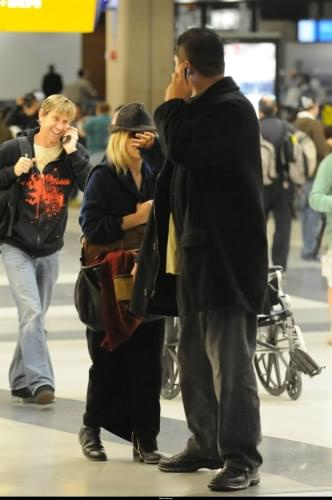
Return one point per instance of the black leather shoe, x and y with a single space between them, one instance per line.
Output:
23 395
187 462
142 455
92 446
230 479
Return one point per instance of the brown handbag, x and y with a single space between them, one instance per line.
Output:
92 253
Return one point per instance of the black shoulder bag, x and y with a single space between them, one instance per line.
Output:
8 196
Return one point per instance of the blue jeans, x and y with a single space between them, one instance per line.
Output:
32 281
311 223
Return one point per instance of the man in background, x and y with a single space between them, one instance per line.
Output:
278 197
24 114
82 91
52 82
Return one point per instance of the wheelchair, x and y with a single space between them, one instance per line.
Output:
170 387
281 356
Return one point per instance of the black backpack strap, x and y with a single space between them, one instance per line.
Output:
25 146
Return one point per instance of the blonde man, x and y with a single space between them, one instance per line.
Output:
30 250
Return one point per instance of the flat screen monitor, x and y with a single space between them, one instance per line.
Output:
307 31
325 30
253 66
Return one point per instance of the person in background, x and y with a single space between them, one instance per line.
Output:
278 197
124 384
307 121
320 200
51 82
81 91
76 194
31 252
25 114
96 132
5 132
208 211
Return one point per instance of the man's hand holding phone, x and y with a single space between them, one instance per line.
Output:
180 86
69 140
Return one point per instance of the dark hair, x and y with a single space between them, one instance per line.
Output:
29 100
103 107
328 131
267 106
204 49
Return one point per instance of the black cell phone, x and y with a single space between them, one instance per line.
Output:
66 138
186 73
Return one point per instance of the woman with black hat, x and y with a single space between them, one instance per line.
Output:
124 384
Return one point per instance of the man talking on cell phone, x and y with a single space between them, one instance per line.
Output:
205 246
30 250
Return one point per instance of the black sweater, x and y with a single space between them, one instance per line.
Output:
42 212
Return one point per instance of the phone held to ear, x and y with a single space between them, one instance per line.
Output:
187 73
65 138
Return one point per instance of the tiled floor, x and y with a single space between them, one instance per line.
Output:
39 450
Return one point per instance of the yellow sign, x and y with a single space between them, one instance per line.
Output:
47 16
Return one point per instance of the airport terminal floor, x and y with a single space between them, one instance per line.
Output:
39 450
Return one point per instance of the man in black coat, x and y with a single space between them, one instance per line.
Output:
208 238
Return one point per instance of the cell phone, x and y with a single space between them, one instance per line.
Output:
65 138
187 73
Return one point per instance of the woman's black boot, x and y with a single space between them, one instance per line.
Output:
92 447
142 455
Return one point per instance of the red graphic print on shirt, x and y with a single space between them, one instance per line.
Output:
44 192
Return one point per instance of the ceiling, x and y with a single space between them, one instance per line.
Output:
287 9
276 9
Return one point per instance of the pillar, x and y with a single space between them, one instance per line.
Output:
139 51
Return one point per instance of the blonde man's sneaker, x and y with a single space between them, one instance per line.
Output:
23 395
44 395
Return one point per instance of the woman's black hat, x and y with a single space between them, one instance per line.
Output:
133 117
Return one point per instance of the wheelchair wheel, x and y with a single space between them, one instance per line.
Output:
170 385
271 364
269 373
293 382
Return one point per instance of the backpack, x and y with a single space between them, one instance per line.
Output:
299 156
8 196
268 157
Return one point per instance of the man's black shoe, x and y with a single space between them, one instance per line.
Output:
23 395
231 479
92 446
187 462
44 395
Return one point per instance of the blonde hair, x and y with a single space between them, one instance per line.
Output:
60 104
116 150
